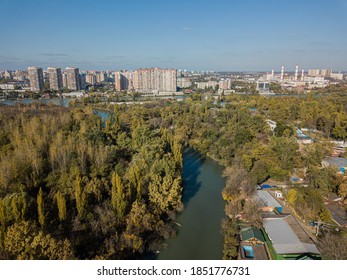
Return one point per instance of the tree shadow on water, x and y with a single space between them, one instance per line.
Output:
192 162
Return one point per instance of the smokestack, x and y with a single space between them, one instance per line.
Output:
302 75
272 73
296 73
282 73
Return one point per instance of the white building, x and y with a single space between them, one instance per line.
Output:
205 85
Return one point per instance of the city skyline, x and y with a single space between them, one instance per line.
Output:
194 35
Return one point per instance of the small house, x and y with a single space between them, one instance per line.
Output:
278 194
252 244
252 235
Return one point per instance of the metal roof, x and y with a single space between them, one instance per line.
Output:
267 199
251 232
284 239
336 161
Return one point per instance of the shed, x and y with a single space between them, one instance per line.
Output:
267 199
288 239
278 194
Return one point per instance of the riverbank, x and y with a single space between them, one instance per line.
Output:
199 235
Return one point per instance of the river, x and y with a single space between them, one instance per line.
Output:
56 101
199 236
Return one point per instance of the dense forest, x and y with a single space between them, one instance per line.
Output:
72 186
75 186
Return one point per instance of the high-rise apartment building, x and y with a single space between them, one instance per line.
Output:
73 78
123 80
183 82
320 72
55 78
35 78
64 80
155 79
90 79
100 77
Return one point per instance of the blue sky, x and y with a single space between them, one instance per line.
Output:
184 34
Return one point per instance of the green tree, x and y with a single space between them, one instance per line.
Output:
3 214
292 195
41 208
165 195
80 197
117 195
61 203
23 241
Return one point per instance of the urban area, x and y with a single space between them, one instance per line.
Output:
104 164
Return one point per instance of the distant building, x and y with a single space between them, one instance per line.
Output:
64 75
337 76
90 79
55 78
100 77
205 85
183 82
73 79
36 78
225 84
7 86
8 75
263 87
82 78
155 79
20 75
123 80
320 72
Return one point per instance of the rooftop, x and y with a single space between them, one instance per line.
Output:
251 232
287 237
336 161
267 198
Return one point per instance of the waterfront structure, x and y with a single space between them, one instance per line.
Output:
35 78
73 79
55 78
155 79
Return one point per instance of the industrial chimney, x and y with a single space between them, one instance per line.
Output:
282 73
